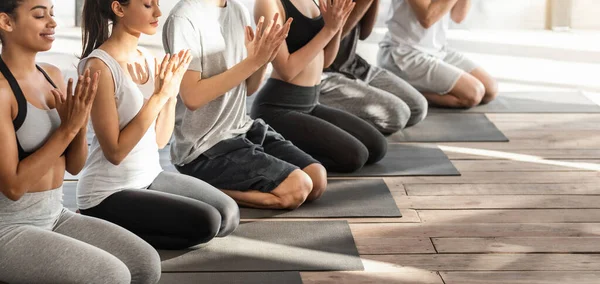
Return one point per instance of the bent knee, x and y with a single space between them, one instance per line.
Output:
473 95
318 175
113 271
300 186
491 92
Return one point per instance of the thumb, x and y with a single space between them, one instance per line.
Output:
249 34
58 98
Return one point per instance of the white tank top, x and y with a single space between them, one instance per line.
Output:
404 30
100 178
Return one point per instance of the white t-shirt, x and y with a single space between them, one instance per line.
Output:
100 178
215 37
404 30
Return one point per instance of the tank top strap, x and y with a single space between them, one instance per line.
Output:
113 66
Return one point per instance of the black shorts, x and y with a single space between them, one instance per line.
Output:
260 160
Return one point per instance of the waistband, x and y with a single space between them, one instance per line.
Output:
40 209
283 94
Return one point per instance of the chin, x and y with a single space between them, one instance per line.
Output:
150 31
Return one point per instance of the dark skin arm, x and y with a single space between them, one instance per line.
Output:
368 21
356 17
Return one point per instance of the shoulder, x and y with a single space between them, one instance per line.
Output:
7 98
52 71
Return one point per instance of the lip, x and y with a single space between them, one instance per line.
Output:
48 36
154 24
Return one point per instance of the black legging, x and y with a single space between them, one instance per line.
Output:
341 141
171 221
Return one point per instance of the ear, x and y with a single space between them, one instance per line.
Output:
117 8
6 22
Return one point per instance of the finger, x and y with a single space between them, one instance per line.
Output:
287 26
58 98
322 6
172 62
259 28
93 88
82 97
187 58
164 65
247 36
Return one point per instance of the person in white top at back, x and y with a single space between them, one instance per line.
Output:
415 48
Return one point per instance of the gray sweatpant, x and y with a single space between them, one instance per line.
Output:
384 100
77 249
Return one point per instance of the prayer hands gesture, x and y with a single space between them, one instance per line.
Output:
335 13
74 108
263 45
169 73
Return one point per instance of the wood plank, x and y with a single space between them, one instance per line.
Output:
408 216
400 275
512 216
551 134
393 245
496 262
541 165
507 178
543 117
520 277
540 153
588 142
502 189
551 125
457 230
395 186
499 202
517 245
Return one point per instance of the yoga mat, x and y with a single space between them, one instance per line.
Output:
407 160
287 277
534 102
451 127
343 198
272 246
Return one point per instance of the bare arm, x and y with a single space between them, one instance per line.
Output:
460 11
253 82
368 21
288 65
430 12
356 17
165 123
116 143
331 50
77 151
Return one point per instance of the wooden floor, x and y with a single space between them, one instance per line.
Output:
527 211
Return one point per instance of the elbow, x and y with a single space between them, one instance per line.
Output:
187 103
287 76
328 62
115 158
426 23
13 193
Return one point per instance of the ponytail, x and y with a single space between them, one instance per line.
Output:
97 15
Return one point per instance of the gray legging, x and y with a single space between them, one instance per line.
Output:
77 249
382 99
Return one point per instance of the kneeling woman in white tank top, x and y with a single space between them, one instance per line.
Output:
42 134
133 116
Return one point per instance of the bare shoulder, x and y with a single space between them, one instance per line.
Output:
54 72
7 99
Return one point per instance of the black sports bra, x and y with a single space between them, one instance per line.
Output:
303 28
21 102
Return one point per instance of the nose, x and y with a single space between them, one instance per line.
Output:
52 23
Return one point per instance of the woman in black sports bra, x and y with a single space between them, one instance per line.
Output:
42 134
289 101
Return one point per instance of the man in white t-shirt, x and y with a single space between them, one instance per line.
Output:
415 49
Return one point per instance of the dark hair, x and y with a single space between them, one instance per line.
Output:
8 7
97 15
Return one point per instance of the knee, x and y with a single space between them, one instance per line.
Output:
206 225
353 160
491 91
474 95
377 148
301 186
114 271
318 175
418 110
397 118
144 264
230 218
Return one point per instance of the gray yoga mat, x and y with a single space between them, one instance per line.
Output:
451 127
407 160
286 277
534 102
343 198
272 246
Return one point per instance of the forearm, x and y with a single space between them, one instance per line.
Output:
460 10
430 12
356 16
77 152
331 50
368 21
253 83
31 169
296 62
165 123
206 90
135 130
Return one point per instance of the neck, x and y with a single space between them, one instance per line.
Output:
20 61
125 41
